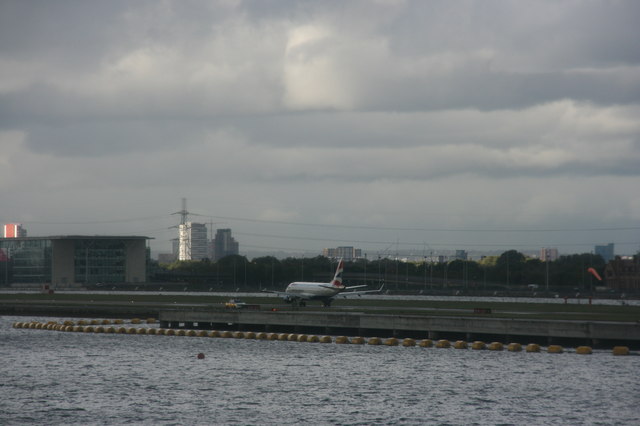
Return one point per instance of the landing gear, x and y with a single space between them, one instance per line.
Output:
326 303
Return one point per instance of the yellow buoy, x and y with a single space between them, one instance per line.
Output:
533 347
313 339
141 330
95 322
283 337
135 321
192 333
273 336
100 329
326 339
118 321
584 350
151 320
226 334
372 341
555 349
110 330
214 333
89 329
202 333
408 342
478 345
82 322
360 340
170 332
426 343
250 335
238 335
303 338
181 332
293 337
495 346
514 347
132 330
443 343
161 331
106 322
620 350
342 340
391 341
69 322
261 336
460 344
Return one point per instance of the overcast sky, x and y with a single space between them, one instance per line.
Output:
388 125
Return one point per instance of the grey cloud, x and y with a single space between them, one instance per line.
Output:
286 109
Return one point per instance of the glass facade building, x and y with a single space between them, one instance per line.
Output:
25 261
72 260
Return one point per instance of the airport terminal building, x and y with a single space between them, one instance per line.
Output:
65 261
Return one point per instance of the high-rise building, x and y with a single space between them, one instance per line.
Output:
606 251
224 244
548 254
14 230
192 241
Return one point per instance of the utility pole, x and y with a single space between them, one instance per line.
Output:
425 272
546 261
365 269
431 270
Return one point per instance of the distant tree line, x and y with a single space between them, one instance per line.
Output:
510 270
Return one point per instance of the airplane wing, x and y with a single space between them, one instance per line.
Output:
355 286
279 293
360 293
290 296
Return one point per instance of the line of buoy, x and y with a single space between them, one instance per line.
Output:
98 326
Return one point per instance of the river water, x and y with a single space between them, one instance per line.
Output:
51 377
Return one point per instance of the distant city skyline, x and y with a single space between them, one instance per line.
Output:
390 249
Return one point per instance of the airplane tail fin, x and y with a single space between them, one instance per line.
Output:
337 278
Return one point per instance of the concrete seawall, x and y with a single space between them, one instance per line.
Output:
79 310
597 333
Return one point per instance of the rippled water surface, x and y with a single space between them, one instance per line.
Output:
50 377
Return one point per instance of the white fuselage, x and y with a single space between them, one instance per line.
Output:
313 290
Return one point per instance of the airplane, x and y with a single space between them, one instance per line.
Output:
299 292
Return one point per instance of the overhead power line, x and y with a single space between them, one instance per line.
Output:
392 228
